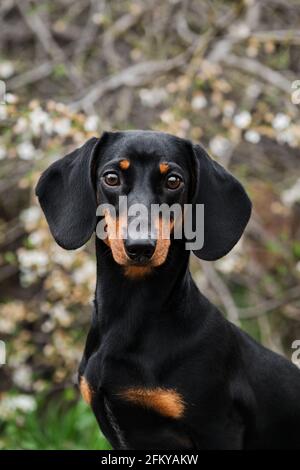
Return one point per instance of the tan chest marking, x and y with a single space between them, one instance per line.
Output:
86 390
166 402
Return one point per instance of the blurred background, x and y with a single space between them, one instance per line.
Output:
218 72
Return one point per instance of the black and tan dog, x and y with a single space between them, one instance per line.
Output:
162 368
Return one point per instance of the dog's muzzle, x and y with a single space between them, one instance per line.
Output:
140 251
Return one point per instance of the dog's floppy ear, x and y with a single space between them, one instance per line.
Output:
227 207
67 197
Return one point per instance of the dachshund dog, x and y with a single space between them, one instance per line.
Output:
162 368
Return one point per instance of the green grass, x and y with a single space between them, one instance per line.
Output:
54 425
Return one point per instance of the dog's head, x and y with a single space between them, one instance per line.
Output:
150 169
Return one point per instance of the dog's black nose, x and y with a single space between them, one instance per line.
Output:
140 250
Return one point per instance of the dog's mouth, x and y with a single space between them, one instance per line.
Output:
140 262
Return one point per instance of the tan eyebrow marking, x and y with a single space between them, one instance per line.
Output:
166 402
163 168
124 164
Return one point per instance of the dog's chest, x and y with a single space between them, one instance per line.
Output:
148 358
141 370
136 397
152 387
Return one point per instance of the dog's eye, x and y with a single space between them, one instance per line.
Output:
112 179
173 182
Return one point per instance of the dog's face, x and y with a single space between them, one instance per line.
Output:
150 169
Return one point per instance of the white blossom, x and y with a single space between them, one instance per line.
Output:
26 150
199 102
98 18
60 313
242 120
92 123
281 121
36 237
6 326
291 195
152 97
3 152
21 125
220 146
27 277
85 273
6 69
63 257
48 326
10 98
185 124
30 217
38 119
33 264
33 258
232 261
62 126
287 136
253 90
22 377
3 111
240 30
252 136
229 108
167 117
10 404
49 126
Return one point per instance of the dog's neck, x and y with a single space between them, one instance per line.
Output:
161 292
